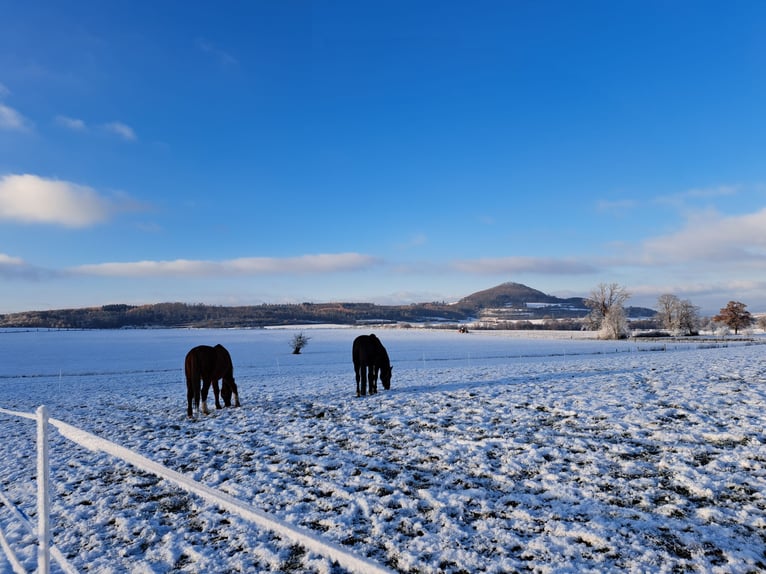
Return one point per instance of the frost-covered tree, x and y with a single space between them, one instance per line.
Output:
688 318
734 316
615 324
678 316
666 306
607 311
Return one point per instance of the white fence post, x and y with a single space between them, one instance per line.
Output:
43 498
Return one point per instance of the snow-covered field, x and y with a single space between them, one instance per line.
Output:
493 452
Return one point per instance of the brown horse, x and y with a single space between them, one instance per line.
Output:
370 359
209 364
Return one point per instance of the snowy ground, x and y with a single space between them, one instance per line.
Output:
492 453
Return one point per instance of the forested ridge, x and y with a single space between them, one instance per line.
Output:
199 315
520 302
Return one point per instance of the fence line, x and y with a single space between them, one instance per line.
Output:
309 540
16 565
44 546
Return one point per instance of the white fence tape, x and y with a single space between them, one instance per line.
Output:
309 540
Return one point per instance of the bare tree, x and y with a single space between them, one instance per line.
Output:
666 310
734 316
688 318
607 315
677 316
298 342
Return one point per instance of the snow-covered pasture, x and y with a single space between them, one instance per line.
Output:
493 452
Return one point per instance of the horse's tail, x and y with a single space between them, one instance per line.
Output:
193 372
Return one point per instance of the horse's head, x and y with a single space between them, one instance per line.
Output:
229 388
385 376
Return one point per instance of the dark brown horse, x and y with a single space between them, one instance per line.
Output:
370 360
209 364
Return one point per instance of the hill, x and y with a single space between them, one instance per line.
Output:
516 301
501 304
518 296
503 295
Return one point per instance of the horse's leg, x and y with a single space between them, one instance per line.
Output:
235 393
226 392
367 380
358 378
205 390
363 371
197 399
190 398
374 381
229 393
216 392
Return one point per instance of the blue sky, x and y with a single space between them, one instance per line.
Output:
394 152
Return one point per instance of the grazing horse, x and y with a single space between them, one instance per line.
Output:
209 364
370 359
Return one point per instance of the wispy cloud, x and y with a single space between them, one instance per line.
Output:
696 194
224 58
306 264
416 240
682 200
32 199
698 288
17 268
507 265
616 207
122 130
115 128
71 123
12 120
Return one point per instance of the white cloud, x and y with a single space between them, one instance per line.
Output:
6 260
122 130
17 268
71 123
711 237
319 263
506 265
720 191
680 199
32 199
12 120
617 207
710 295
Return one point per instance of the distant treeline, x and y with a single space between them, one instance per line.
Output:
210 316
